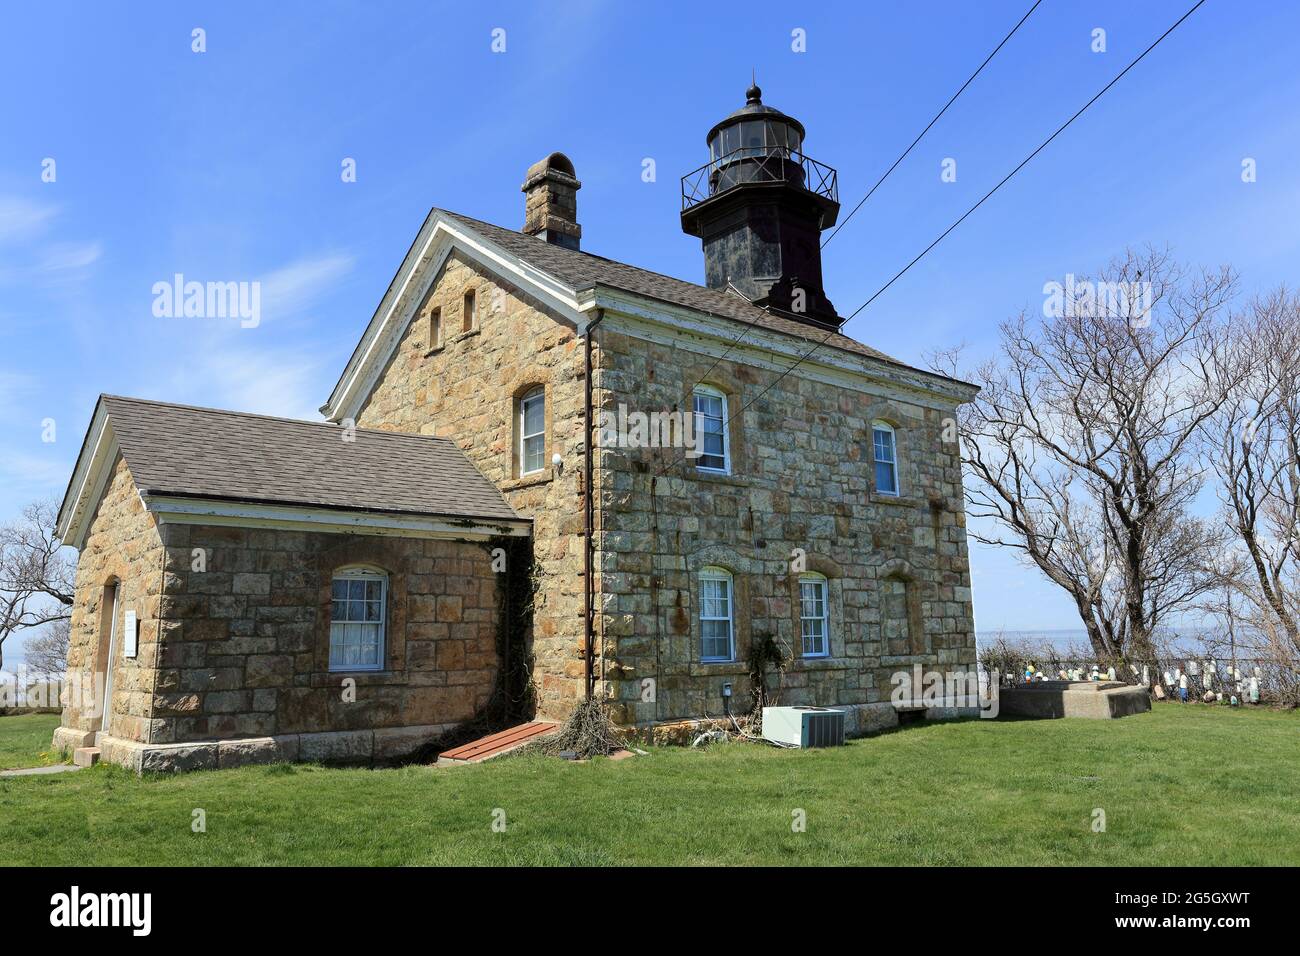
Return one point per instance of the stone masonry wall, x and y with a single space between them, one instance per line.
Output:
464 386
122 545
802 478
245 636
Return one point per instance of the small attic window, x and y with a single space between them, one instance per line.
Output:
435 328
470 312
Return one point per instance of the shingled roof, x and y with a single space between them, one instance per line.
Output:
582 270
183 451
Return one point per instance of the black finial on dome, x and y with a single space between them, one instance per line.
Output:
753 95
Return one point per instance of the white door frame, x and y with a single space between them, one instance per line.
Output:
106 705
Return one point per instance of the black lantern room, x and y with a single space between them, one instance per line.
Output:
759 206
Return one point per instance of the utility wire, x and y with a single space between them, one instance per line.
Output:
1138 59
931 123
920 136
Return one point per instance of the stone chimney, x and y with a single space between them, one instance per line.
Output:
551 203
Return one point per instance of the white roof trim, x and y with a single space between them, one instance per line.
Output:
99 454
680 327
439 236
89 478
178 510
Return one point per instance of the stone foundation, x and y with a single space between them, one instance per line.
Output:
68 739
340 748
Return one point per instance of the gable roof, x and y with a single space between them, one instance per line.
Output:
568 283
181 451
581 270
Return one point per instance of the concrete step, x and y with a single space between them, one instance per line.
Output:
85 756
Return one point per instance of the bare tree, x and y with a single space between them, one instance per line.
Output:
36 577
46 652
1079 448
1253 444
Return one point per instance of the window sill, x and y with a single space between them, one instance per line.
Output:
822 663
528 481
714 477
363 678
462 336
896 501
435 350
717 668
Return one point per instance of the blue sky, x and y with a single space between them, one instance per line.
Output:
225 166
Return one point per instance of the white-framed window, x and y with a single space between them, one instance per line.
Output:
717 624
814 616
358 610
886 455
532 431
711 436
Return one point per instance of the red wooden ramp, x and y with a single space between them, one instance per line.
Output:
494 745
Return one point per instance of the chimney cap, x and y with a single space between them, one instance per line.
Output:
555 166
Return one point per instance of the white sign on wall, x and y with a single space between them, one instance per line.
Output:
130 639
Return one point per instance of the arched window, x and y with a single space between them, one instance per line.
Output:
886 455
717 620
712 441
532 431
814 615
358 612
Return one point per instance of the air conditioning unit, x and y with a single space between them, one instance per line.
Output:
804 726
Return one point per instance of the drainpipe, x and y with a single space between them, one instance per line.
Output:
588 524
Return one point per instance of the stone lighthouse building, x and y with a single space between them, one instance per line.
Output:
542 474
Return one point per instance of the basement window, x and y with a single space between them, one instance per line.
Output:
470 312
358 609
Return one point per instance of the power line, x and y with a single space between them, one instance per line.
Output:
967 213
918 139
931 123
1025 162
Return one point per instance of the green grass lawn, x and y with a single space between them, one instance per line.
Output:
25 741
1182 785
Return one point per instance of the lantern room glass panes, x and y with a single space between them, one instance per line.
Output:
730 139
754 138
357 621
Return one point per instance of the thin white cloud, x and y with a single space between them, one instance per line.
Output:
68 260
295 287
21 219
248 378
32 258
26 475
